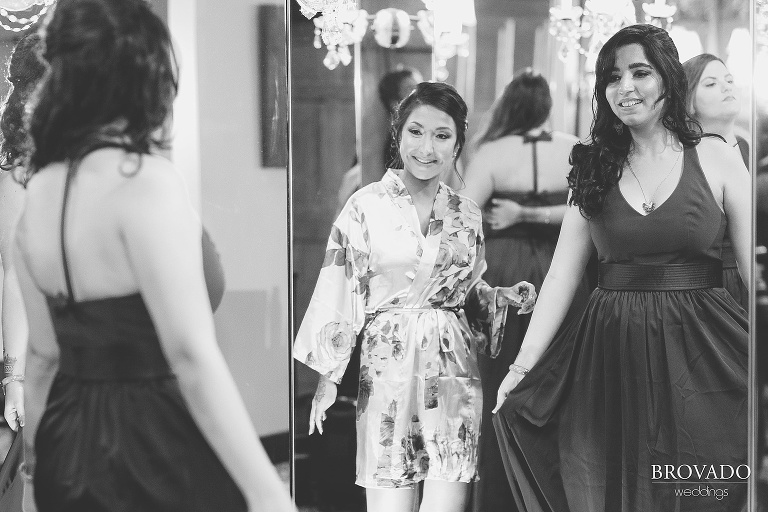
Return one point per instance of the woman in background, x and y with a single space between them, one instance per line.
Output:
143 413
393 87
519 173
654 373
713 102
24 71
404 260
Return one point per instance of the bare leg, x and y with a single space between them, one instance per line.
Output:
440 496
391 500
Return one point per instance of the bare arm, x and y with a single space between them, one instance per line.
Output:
505 212
731 184
162 237
571 254
14 321
478 177
42 357
737 202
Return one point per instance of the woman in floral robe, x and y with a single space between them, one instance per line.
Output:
402 271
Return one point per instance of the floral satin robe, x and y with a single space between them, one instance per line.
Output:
420 402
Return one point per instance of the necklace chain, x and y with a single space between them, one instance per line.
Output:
648 204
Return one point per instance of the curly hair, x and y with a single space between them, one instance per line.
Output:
525 104
439 95
597 164
25 69
112 76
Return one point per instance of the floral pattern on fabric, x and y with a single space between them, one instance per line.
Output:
413 298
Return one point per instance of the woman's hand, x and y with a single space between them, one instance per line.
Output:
507 385
503 213
521 295
14 405
325 396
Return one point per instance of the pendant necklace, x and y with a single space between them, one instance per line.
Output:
648 204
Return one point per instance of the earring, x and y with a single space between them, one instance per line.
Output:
619 127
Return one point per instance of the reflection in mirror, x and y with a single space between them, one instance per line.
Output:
229 142
518 176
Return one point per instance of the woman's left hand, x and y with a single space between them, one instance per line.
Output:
503 213
521 295
14 405
509 383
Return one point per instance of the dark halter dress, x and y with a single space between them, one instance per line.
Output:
653 373
116 434
522 252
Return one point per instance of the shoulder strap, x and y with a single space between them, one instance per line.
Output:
71 168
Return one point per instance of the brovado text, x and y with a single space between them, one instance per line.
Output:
699 472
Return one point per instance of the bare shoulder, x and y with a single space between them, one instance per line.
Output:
154 189
150 177
497 155
719 160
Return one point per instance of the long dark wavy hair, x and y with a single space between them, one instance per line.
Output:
111 81
25 69
597 164
441 96
525 104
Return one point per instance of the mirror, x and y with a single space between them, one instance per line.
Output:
339 131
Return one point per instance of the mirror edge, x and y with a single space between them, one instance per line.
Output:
289 246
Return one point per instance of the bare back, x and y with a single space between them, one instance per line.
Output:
97 256
513 171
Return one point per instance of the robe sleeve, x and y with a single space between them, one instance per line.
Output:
336 312
486 320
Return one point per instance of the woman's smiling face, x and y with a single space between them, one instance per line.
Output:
428 142
634 88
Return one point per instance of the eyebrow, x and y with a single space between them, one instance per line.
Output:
438 128
715 78
636 65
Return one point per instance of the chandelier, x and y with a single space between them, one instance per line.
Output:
761 26
341 24
10 21
597 21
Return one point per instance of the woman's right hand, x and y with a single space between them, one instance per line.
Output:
509 383
14 405
325 396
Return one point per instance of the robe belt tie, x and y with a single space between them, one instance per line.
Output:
446 343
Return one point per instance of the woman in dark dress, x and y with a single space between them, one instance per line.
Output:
714 103
654 373
142 413
518 172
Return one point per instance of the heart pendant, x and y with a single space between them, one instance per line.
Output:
649 207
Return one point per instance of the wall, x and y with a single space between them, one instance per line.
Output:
242 204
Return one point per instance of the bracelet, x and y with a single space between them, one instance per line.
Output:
520 370
547 215
12 378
